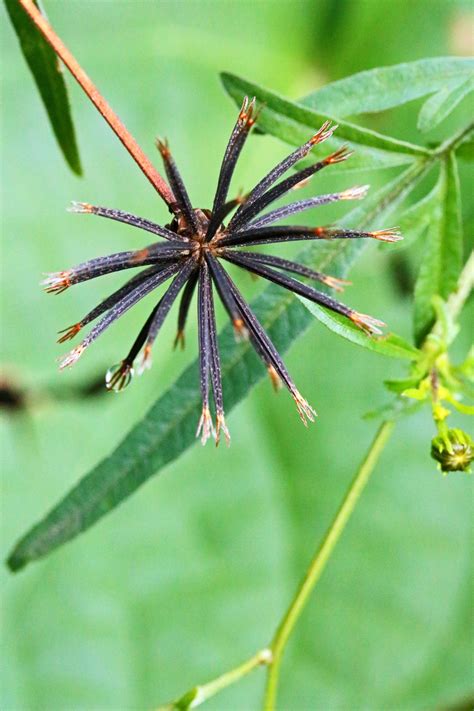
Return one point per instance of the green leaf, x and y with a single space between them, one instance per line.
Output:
390 345
385 87
168 429
441 104
48 75
442 258
294 123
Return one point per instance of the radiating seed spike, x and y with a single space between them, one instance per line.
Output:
128 218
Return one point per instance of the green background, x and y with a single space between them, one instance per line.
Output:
191 575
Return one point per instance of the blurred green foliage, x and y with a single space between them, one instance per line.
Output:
192 574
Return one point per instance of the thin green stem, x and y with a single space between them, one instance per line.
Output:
198 694
320 559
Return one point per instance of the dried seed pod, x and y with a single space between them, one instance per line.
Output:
195 245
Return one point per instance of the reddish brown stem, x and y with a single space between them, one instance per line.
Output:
99 102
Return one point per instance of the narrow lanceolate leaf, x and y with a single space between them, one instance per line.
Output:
442 258
441 104
293 122
48 75
169 427
391 345
385 87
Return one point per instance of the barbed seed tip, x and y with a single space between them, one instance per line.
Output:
358 192
305 410
243 108
392 234
221 425
342 154
205 426
371 326
323 133
164 149
335 283
69 333
56 282
68 360
80 207
119 376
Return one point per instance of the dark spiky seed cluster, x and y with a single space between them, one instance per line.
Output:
194 245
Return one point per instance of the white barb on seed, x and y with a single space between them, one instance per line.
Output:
68 360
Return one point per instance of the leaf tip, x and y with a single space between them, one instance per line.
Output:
225 77
75 164
15 561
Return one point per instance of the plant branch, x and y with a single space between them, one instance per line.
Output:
99 102
320 559
198 694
